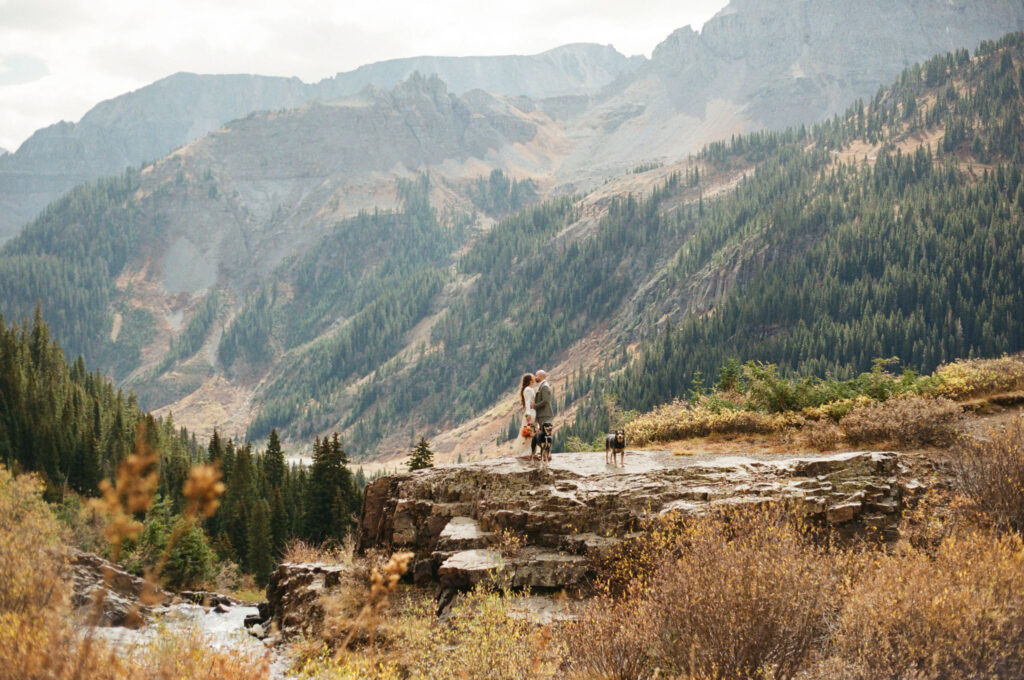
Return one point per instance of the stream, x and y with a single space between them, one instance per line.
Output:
221 631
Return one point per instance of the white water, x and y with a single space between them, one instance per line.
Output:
221 631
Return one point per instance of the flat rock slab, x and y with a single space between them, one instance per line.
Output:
567 516
469 567
462 533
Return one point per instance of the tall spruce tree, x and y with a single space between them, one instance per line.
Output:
279 522
260 557
273 462
327 517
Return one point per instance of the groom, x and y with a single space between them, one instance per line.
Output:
544 399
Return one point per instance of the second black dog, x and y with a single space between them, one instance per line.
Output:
542 440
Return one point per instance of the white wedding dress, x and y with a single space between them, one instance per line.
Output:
529 418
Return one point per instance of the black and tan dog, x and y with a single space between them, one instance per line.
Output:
542 440
615 443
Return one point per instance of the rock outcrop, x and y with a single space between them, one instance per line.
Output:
293 605
110 596
549 527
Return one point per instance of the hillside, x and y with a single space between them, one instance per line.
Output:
817 260
270 275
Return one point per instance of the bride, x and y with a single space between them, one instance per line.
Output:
526 397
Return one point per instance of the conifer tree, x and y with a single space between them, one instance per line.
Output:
273 462
329 481
280 525
260 557
420 456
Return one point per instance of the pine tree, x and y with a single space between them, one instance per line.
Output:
329 480
273 462
420 456
279 523
260 557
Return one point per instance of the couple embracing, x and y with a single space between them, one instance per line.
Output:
536 399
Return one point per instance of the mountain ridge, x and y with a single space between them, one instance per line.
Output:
148 123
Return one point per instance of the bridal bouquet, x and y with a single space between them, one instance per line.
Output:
526 432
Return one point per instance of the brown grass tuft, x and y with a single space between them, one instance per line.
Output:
299 552
822 435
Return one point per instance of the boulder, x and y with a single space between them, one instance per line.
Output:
293 596
110 596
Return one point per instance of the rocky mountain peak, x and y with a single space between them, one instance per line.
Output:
791 61
419 86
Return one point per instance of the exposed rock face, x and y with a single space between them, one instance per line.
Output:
293 596
577 69
570 515
769 63
152 121
122 593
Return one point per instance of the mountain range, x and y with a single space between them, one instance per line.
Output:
319 257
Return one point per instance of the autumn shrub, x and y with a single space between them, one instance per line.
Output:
957 613
989 471
616 640
682 420
478 640
746 593
974 378
823 435
905 420
31 550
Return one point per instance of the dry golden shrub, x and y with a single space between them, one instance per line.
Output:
904 421
989 471
479 640
31 552
757 577
973 378
682 420
746 593
617 640
174 656
823 435
956 614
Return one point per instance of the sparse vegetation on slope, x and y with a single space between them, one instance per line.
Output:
877 407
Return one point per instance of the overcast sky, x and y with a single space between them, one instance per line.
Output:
58 58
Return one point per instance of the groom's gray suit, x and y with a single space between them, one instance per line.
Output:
543 403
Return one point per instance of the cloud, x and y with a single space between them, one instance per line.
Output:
17 69
44 15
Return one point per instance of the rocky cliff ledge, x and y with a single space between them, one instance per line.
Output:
567 516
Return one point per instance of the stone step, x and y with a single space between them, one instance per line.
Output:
463 533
